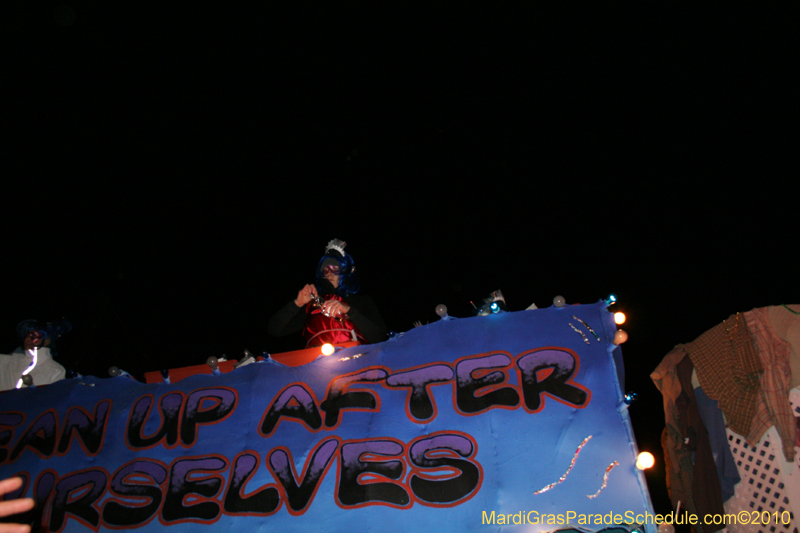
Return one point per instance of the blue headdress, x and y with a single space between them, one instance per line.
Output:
49 330
335 255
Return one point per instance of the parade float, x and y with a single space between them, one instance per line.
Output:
510 419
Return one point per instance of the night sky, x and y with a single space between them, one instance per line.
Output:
171 175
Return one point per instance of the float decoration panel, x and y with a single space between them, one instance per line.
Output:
464 424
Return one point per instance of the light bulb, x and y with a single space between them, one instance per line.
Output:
645 460
328 349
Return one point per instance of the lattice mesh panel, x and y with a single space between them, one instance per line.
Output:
770 484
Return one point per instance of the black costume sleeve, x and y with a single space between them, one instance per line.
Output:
363 313
365 316
289 319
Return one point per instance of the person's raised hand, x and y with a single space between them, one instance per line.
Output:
305 295
12 507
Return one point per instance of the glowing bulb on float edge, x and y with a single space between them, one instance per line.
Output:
645 460
666 528
328 349
619 317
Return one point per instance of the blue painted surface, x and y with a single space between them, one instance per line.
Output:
478 439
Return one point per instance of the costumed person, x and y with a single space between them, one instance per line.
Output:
35 357
330 310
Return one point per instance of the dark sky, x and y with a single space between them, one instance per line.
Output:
172 174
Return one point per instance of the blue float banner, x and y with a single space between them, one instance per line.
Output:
465 424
